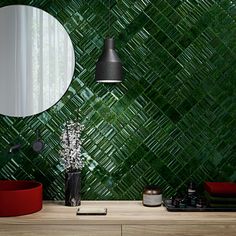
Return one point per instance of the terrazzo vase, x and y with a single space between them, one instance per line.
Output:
72 188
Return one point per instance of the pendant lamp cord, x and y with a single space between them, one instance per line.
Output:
109 30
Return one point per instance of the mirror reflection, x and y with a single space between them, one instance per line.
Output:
36 60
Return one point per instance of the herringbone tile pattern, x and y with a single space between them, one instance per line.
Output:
171 120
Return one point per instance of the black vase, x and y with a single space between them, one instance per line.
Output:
72 188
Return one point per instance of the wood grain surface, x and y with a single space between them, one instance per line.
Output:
178 230
60 230
119 212
124 218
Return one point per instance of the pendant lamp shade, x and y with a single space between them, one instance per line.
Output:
109 67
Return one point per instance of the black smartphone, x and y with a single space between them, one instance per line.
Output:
91 211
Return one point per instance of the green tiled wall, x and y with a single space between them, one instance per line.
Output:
171 120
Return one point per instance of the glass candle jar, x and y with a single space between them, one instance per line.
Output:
152 196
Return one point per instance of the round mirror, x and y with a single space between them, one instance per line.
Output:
36 60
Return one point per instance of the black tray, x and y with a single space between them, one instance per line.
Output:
170 207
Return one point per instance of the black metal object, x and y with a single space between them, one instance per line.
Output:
170 207
73 188
14 148
109 67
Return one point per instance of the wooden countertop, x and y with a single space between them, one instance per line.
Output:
119 212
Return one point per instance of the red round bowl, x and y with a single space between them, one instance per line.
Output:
20 197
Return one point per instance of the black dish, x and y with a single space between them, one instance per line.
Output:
170 207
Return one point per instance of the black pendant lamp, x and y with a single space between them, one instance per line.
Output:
108 66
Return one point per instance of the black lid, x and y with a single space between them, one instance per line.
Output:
152 189
192 185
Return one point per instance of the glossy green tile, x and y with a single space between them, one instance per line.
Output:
170 121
